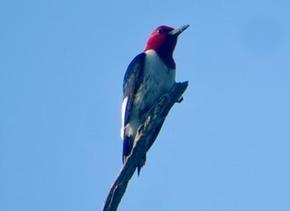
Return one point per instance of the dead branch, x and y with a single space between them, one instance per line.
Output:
144 139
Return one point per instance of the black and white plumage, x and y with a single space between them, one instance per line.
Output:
149 76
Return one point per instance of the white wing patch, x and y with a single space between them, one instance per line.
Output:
123 111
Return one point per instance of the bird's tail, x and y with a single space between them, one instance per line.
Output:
127 149
141 164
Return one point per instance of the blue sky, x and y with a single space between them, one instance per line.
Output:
224 148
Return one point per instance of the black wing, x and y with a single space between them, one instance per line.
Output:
132 80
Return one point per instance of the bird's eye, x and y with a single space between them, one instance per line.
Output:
160 31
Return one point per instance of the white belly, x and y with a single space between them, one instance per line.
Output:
158 80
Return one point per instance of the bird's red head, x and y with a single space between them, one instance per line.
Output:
163 40
160 40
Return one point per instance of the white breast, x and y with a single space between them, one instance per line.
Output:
158 79
157 71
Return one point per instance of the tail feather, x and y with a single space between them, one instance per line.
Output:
127 147
141 164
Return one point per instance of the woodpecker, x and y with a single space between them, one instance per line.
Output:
149 76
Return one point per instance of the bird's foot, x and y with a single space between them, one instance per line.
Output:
180 100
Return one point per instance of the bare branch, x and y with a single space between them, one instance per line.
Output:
144 139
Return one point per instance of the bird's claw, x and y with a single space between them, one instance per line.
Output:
180 100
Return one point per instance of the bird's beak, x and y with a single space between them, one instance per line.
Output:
178 31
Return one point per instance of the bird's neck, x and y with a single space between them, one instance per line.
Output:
164 47
165 56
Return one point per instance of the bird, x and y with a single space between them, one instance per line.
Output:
149 76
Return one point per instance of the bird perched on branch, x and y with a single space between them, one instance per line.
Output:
149 76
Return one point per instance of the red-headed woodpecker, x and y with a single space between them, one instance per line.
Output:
150 75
